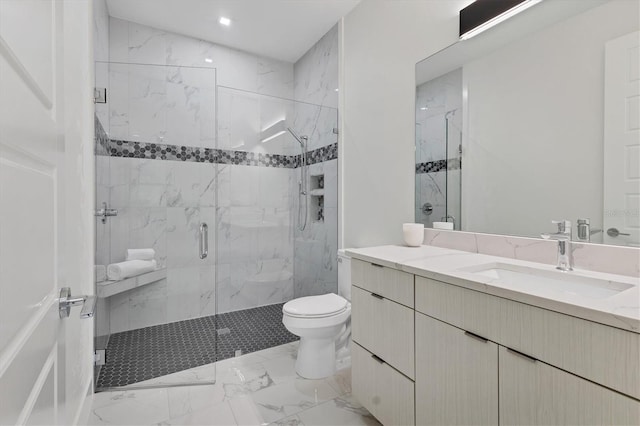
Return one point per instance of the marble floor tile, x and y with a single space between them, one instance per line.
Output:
215 415
256 389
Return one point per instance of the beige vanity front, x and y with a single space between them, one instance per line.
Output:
428 352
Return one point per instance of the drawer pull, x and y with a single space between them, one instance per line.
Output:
475 336
376 265
377 296
377 358
520 354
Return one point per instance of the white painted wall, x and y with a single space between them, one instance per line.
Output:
382 41
527 160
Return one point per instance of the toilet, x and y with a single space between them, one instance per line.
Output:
321 322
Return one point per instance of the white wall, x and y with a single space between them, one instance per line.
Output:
529 160
382 41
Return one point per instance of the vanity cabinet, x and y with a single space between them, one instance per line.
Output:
534 393
428 352
383 353
456 375
386 393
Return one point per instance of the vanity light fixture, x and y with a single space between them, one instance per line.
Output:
224 21
481 15
276 129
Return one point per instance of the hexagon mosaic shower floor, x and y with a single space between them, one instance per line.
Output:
143 354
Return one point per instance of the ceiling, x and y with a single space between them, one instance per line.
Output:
280 29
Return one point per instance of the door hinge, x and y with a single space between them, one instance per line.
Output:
100 357
100 95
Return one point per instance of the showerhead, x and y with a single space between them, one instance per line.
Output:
300 139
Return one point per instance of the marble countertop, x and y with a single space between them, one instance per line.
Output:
621 310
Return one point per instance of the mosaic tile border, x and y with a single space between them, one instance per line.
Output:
322 154
438 166
156 151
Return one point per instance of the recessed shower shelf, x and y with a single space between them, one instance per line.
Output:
110 288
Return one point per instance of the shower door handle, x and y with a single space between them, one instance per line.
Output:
204 240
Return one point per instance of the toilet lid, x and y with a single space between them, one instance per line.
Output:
315 306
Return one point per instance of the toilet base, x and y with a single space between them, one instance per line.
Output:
316 358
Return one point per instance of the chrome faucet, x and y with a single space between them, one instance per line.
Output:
563 236
584 230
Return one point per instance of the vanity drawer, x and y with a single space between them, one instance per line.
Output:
385 328
612 358
388 282
386 393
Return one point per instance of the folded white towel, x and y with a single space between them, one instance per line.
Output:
141 254
129 268
100 273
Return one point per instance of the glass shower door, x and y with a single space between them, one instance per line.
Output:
156 195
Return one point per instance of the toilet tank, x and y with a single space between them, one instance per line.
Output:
344 275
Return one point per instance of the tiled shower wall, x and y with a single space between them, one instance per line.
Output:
316 82
437 167
162 202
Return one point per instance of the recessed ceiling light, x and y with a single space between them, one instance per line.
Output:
208 60
225 21
424 108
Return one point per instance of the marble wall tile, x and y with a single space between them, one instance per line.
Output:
100 30
316 72
117 105
315 248
148 305
183 236
207 290
191 184
431 188
147 229
162 105
118 40
183 293
275 78
135 43
146 45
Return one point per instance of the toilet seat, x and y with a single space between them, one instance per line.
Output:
326 305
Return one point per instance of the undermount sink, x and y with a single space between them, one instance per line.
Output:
532 279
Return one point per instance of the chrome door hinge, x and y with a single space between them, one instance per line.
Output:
100 357
100 95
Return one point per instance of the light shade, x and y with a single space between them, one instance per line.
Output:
481 15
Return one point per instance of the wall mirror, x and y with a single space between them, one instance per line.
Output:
534 120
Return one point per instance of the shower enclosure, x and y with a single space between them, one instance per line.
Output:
184 166
438 150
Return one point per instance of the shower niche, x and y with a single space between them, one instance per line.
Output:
316 191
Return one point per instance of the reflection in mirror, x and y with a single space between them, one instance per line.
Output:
438 142
546 109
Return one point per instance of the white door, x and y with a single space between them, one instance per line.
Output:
45 224
622 141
